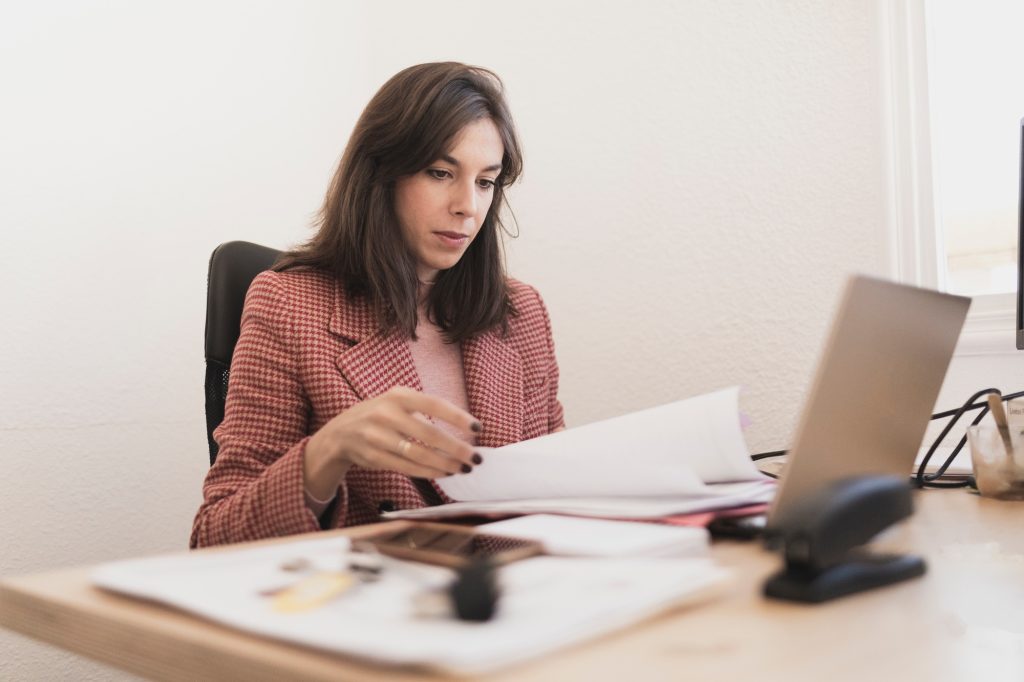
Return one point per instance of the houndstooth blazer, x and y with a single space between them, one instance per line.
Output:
305 354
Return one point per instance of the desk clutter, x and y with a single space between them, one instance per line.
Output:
973 545
471 602
325 594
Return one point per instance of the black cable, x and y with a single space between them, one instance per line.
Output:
1008 396
921 479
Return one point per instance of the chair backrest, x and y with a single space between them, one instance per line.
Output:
233 265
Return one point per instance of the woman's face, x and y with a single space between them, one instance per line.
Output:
441 208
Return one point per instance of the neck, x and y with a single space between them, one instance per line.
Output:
422 292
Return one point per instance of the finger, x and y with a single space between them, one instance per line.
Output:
438 408
380 458
431 436
420 454
400 444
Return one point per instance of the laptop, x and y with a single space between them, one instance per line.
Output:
875 387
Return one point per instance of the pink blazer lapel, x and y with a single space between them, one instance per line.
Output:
493 370
376 362
494 385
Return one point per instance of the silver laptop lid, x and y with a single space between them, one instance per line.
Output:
876 384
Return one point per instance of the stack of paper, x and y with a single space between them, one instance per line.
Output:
717 496
684 457
546 603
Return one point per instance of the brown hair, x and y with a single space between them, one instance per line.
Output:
410 123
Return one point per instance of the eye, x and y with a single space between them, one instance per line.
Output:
484 183
438 173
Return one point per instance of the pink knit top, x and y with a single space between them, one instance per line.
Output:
439 366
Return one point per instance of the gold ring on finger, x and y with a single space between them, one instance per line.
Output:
404 446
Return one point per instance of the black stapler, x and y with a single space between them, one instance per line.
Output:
821 541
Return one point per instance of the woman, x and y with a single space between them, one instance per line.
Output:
371 359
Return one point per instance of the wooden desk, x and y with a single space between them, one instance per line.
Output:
963 621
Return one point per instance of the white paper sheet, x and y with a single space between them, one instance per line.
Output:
670 450
573 536
547 602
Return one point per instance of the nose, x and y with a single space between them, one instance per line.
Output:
463 200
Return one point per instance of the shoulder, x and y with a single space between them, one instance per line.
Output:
530 317
526 300
295 284
292 294
520 291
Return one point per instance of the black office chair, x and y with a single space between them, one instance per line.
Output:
233 265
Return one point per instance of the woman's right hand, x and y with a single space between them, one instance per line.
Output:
388 432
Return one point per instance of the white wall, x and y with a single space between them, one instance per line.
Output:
135 138
701 176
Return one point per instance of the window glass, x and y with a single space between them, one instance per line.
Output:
976 101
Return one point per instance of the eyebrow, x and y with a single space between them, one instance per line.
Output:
453 161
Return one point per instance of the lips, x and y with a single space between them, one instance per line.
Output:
452 240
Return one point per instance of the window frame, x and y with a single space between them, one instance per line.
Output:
916 244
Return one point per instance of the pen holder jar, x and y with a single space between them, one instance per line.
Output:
998 462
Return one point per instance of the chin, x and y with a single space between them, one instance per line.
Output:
445 264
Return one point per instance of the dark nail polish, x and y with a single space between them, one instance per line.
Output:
466 468
477 459
476 427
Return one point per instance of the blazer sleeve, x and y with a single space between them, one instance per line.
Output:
255 489
556 415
